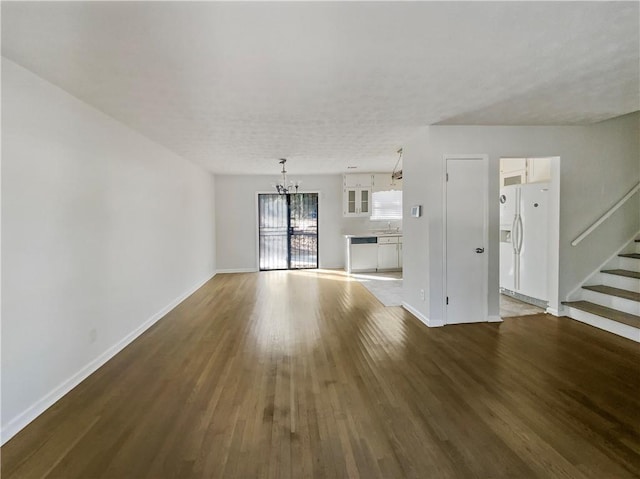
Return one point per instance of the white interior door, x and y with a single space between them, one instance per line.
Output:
466 240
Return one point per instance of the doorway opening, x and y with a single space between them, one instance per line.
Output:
529 235
287 231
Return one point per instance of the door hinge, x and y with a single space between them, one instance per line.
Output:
447 176
447 299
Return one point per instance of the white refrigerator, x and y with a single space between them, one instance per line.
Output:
524 233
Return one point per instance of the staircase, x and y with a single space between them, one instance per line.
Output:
610 298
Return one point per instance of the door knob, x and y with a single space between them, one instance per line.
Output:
479 250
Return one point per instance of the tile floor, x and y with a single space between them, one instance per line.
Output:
510 307
386 287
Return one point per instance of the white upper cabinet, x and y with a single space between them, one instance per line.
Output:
518 171
509 165
359 180
513 171
384 182
357 201
357 195
538 170
358 190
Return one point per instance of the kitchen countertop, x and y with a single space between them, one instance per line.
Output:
369 235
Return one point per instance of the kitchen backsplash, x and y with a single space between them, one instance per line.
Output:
365 225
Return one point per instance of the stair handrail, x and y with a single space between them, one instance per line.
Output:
611 211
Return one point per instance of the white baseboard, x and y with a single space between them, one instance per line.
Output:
15 425
339 266
494 319
614 327
237 270
255 270
429 322
561 311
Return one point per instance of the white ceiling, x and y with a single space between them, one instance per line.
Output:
235 86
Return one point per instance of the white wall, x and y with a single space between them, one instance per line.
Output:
236 220
102 230
415 246
599 164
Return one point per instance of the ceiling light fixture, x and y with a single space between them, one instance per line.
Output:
283 187
397 174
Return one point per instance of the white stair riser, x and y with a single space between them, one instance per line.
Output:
613 264
614 327
619 262
616 281
630 264
614 302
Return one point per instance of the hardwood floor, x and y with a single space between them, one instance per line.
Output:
306 374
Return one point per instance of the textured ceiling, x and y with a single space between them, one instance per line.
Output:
235 86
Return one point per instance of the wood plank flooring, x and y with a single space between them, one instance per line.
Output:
305 374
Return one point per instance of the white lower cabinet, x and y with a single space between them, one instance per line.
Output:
371 253
364 257
389 253
388 256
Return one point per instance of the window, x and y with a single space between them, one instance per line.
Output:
387 205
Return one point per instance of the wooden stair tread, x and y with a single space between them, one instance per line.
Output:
630 255
613 314
622 272
620 293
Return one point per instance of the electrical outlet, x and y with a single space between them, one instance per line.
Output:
422 294
93 334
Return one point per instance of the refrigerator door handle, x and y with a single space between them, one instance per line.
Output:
514 234
520 234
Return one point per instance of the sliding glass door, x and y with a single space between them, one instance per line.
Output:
288 231
303 230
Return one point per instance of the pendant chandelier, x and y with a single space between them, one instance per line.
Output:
283 187
397 173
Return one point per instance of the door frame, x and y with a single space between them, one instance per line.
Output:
257 226
485 234
555 307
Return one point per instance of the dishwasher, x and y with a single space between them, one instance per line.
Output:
363 254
